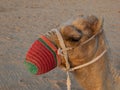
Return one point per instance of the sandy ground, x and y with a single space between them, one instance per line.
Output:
21 22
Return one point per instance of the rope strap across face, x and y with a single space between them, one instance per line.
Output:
86 64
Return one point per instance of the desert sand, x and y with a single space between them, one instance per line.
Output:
22 21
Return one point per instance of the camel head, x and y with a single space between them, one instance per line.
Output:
84 35
74 33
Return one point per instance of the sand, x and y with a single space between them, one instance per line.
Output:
22 21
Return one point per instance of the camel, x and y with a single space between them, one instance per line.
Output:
100 75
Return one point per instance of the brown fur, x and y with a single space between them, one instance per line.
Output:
97 75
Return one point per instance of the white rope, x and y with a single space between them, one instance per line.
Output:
64 49
86 64
63 52
68 81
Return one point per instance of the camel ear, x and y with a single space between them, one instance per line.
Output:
96 23
99 24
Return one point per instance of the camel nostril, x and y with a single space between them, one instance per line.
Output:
75 38
71 33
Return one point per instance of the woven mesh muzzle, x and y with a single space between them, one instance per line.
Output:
42 56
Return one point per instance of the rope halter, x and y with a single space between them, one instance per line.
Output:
63 52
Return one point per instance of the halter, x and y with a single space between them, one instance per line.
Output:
63 51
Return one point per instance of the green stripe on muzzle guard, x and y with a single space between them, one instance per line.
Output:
31 67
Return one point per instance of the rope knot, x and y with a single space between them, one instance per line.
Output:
61 51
